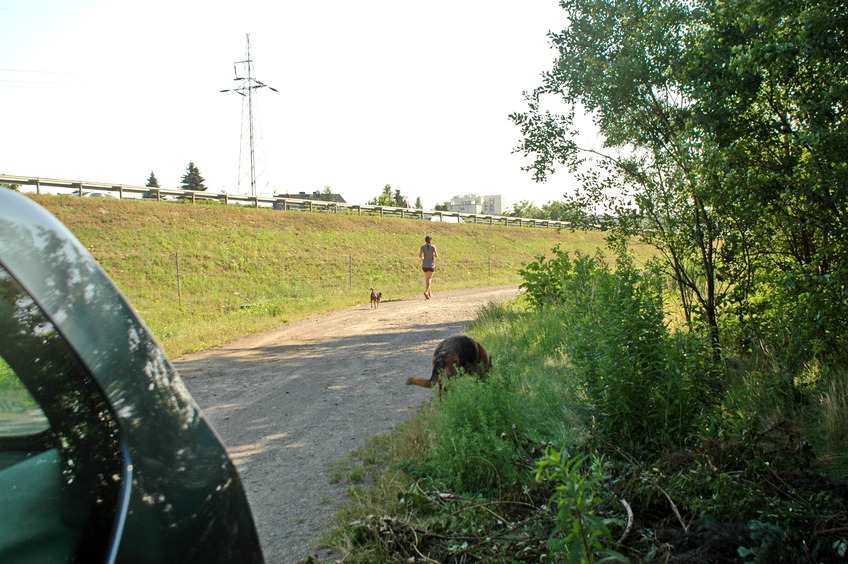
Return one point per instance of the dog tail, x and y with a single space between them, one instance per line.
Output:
423 382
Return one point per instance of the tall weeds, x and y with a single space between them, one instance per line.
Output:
646 387
831 430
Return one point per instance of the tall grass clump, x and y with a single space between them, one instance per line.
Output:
486 433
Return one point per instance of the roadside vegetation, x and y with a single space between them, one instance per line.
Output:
606 433
202 275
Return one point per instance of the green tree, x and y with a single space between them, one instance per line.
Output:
444 206
574 214
387 198
152 181
400 200
622 61
192 180
526 209
724 131
326 195
769 83
418 205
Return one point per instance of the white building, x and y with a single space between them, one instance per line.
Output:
472 203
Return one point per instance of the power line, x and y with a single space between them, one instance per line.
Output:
42 71
20 79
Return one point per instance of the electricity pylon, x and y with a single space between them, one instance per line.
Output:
247 84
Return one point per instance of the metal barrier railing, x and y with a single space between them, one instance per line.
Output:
281 203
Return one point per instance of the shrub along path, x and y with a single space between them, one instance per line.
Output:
288 403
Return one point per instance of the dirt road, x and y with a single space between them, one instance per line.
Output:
289 402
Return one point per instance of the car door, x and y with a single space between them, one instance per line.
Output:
61 471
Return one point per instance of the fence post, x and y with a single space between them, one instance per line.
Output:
179 283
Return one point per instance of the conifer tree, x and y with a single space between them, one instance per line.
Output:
192 179
152 181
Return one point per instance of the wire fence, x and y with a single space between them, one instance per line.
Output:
225 284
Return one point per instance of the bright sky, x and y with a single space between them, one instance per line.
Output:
375 92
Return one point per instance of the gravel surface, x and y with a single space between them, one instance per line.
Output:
289 402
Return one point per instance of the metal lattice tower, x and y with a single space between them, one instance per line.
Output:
247 84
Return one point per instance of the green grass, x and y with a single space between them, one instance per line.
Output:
243 270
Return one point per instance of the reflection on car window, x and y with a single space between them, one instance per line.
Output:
60 459
20 415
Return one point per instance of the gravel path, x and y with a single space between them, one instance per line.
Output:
289 402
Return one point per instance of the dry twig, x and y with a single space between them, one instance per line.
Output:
629 527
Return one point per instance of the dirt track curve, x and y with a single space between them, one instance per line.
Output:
289 402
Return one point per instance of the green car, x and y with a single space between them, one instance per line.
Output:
104 455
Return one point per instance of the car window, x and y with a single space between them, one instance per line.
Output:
20 414
60 457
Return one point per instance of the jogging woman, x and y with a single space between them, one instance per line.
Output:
428 256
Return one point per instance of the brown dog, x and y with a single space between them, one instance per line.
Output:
375 298
452 353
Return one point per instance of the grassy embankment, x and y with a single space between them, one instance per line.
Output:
244 270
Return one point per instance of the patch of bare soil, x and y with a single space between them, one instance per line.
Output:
289 402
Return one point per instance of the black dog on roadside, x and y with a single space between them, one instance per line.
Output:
452 353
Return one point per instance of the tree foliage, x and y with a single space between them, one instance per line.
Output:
325 195
526 208
769 83
389 198
192 180
725 140
622 62
152 181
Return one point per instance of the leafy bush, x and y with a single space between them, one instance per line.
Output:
647 386
580 535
